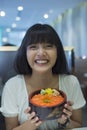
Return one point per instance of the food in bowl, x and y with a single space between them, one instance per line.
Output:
47 103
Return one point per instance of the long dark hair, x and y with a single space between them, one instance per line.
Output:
40 33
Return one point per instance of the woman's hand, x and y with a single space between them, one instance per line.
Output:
67 113
34 121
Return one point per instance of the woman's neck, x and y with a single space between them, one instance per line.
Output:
43 80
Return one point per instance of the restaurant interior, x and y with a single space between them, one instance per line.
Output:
69 20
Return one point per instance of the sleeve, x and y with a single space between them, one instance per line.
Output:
77 95
8 101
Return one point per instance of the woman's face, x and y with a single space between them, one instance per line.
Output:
41 57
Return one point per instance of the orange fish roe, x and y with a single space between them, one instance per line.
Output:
47 100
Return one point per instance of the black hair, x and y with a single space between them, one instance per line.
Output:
40 33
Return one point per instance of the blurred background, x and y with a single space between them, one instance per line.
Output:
68 17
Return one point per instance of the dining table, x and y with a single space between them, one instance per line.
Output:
82 128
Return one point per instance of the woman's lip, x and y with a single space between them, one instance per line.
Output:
43 61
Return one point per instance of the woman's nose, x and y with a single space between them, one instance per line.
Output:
41 50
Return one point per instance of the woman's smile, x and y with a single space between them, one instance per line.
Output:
41 61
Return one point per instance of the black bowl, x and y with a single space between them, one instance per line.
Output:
47 113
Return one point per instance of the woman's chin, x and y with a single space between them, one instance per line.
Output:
42 70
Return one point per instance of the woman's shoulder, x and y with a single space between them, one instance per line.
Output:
14 81
15 78
69 79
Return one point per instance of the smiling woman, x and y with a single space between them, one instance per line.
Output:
41 63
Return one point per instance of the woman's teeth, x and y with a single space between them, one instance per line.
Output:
41 61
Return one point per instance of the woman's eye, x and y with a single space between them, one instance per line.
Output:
33 47
49 46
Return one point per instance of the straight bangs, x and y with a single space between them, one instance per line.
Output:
42 36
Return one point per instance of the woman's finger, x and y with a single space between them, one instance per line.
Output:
32 115
67 113
36 119
68 106
62 119
27 110
38 123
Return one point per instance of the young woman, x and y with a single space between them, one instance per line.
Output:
41 63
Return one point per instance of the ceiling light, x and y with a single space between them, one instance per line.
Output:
45 16
18 18
14 25
8 30
2 13
83 57
4 39
20 8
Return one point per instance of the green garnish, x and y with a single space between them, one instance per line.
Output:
42 92
46 100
